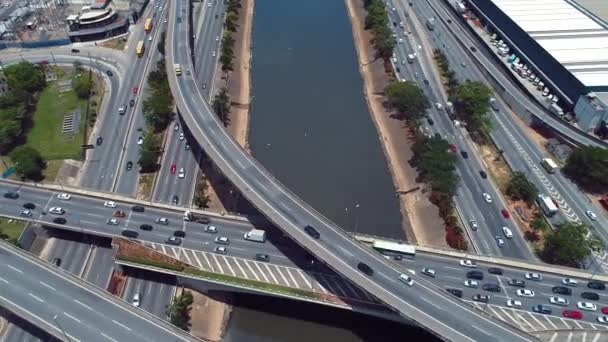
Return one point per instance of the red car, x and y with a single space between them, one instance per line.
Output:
453 148
505 213
173 168
135 90
574 314
605 310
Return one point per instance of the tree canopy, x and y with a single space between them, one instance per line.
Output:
221 106
588 166
472 102
435 164
29 164
378 22
520 188
568 245
82 85
407 98
149 153
25 77
179 314
157 108
11 118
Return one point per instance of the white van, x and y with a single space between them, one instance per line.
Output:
405 279
508 233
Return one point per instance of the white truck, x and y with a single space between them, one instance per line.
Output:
256 235
549 165
410 58
546 204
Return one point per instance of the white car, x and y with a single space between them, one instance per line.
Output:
487 197
591 215
221 250
56 211
406 279
499 241
135 300
217 38
112 222
150 38
162 220
222 240
569 282
165 20
468 263
64 196
438 106
471 283
181 173
176 127
559 301
525 293
110 204
473 225
181 137
211 229
213 54
586 306
513 303
508 233
26 213
602 319
140 140
533 276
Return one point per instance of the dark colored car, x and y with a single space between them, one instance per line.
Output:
57 262
99 141
175 200
138 209
455 292
262 257
59 220
398 257
75 50
129 165
495 270
145 227
179 20
109 73
132 103
203 220
542 309
131 234
398 69
365 269
464 154
179 233
30 206
491 287
596 285
312 232
517 283
475 275
483 174
481 298
474 49
590 295
11 195
430 121
562 290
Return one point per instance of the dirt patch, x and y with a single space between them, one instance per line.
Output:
117 283
210 314
118 43
499 170
145 186
524 216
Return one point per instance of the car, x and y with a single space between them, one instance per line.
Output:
175 200
474 49
574 314
56 210
471 283
222 240
398 257
59 220
452 148
455 292
430 121
132 103
150 37
221 250
542 309
473 225
135 300
135 89
570 282
176 127
512 303
179 233
596 285
505 213
525 293
586 306
162 220
140 140
187 147
481 298
499 241
590 295
363 267
30 206
262 257
119 213
475 275
508 233
213 54
217 38
110 204
99 141
561 290
131 234
75 51
211 229
57 262
26 213
11 195
438 106
122 110
602 319
64 196
404 278
487 197
605 310
203 220
429 272
112 222
173 168
533 276
491 287
483 174
516 282
468 263
138 208
129 166
310 230
181 137
591 215
181 173
172 240
558 301
464 154
187 71
109 73
146 226
495 270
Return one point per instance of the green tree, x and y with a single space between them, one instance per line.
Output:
149 153
11 119
179 314
157 112
161 42
539 224
520 188
28 162
568 245
221 106
407 98
25 77
588 166
231 20
435 164
472 101
82 85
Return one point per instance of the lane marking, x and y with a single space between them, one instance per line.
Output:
72 317
47 285
35 297
108 337
228 264
252 271
303 276
83 304
122 325
3 280
15 269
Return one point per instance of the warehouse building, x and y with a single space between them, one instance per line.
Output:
564 43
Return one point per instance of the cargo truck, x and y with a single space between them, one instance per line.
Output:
549 165
256 235
546 204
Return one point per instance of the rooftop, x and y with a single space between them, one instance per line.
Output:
599 8
577 41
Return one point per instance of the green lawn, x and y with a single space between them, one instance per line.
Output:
10 231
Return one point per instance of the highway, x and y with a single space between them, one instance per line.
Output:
427 305
59 302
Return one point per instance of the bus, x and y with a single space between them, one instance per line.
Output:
549 165
140 49
394 247
546 204
148 25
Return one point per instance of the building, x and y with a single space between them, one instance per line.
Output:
99 20
562 43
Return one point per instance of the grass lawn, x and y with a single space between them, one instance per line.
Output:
146 181
10 231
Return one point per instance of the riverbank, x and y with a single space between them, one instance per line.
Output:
420 218
209 314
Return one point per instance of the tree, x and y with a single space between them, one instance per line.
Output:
520 188
82 85
221 106
568 245
29 164
435 164
149 153
407 98
472 101
161 42
179 312
25 77
539 224
11 119
231 20
588 166
157 112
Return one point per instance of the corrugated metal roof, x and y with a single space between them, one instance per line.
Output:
577 41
